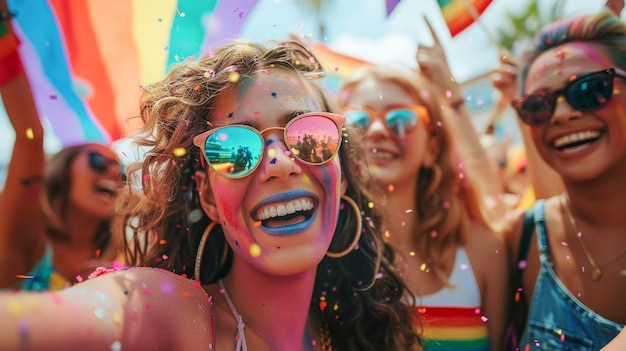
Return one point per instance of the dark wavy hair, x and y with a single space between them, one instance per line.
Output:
363 284
55 197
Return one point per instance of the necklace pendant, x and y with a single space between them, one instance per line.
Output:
596 274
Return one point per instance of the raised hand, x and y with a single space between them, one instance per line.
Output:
433 63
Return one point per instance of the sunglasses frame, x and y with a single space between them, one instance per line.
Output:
95 165
339 121
528 118
420 110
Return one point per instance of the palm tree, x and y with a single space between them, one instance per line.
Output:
524 26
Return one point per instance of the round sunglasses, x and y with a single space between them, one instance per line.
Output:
235 151
585 92
402 120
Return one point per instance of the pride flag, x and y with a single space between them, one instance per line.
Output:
460 14
87 59
338 66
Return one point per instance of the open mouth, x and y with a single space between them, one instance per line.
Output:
106 187
380 154
285 213
576 141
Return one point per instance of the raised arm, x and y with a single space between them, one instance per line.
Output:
543 179
22 238
135 309
433 63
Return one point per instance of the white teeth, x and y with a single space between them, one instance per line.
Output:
575 138
283 209
378 154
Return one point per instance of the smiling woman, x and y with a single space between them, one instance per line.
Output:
573 277
54 217
290 247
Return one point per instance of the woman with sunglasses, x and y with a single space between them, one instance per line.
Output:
574 254
54 216
286 243
453 261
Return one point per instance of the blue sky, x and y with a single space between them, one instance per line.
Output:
361 28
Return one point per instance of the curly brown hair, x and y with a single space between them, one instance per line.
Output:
166 221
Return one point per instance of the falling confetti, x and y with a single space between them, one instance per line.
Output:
233 77
255 250
179 151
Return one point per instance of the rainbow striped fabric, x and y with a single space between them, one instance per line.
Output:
452 328
86 59
457 14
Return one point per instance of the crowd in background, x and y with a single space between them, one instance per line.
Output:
375 218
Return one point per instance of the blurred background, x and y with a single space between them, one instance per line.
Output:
86 59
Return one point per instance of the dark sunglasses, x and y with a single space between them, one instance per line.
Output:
585 92
100 163
235 151
402 120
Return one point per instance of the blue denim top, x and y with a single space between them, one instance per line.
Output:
556 319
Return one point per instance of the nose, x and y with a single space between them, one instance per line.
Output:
564 112
376 129
278 162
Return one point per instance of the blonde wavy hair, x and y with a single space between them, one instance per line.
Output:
446 203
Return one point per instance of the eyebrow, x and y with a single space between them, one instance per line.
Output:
283 119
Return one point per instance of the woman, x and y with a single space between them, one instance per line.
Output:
54 224
453 261
573 276
292 258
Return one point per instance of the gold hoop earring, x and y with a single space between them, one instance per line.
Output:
357 237
200 252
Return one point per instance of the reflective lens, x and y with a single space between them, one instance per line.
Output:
99 163
313 139
584 93
235 151
401 120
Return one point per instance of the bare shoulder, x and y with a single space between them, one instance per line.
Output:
163 307
512 233
484 241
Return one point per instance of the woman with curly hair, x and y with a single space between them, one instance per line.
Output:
288 247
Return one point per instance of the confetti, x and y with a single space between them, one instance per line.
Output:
255 250
179 151
233 77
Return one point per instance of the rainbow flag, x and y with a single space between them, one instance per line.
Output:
452 328
460 14
338 66
87 59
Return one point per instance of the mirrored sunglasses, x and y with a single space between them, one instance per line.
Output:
585 92
235 151
402 120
